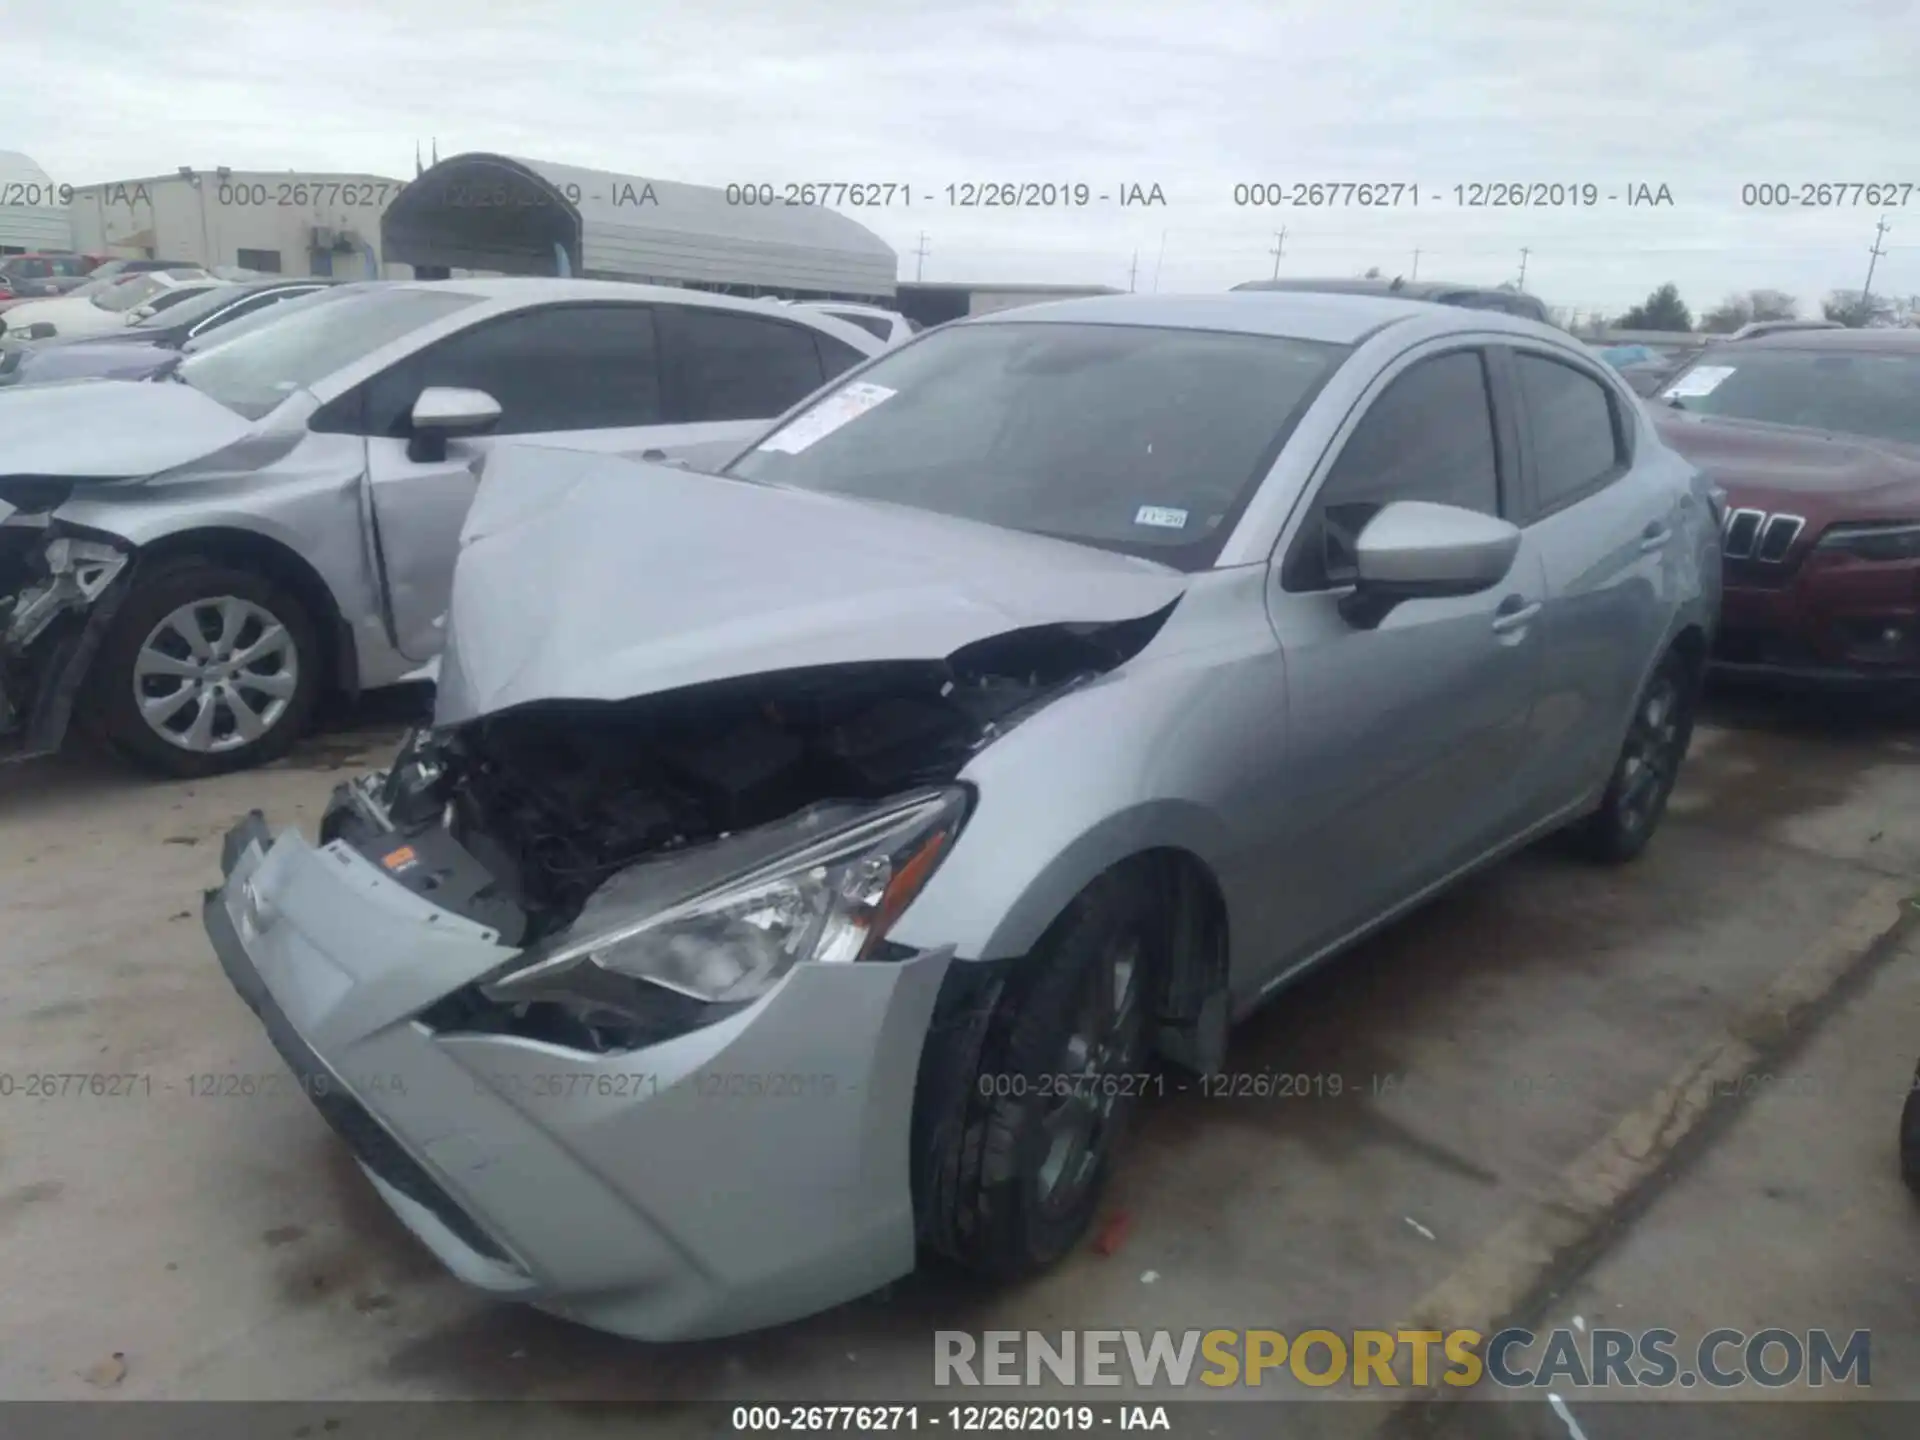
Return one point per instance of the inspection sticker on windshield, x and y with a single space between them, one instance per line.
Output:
1701 380
1161 515
828 416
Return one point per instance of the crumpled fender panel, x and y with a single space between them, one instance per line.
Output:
50 630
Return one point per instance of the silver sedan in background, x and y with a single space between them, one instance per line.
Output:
810 863
191 565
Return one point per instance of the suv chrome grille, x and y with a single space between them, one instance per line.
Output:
1756 535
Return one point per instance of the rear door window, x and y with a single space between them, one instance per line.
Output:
743 367
1577 433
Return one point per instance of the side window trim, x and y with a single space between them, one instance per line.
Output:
1303 519
1617 412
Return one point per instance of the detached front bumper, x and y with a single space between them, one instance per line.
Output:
737 1176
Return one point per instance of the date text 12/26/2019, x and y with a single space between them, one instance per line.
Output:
965 195
1475 195
959 1419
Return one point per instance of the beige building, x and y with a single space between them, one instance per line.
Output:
31 215
277 221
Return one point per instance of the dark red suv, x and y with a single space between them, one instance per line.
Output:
1815 437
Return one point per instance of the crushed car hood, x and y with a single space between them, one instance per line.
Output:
589 577
110 429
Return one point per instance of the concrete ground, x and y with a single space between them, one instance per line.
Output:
1458 1153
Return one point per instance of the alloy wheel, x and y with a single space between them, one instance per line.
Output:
1651 758
215 674
1094 1077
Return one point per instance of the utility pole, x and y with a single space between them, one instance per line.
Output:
1280 244
1524 252
1416 266
920 261
1873 256
1132 271
1158 261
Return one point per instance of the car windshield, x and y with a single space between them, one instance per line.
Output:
135 292
191 308
1146 441
270 314
254 371
98 284
1852 392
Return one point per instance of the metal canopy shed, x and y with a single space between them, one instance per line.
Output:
531 217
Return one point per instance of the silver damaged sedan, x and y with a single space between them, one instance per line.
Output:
812 864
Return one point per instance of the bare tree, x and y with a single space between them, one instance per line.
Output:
1729 315
1849 307
1737 310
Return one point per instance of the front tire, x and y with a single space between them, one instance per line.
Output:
1910 1137
207 668
1649 763
1059 1070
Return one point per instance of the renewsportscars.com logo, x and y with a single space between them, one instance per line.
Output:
1389 1359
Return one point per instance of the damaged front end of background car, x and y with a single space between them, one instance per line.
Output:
59 588
699 840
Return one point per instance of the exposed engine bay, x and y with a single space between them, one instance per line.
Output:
56 595
554 797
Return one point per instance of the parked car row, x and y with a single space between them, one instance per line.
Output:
147 345
1019 703
103 304
40 276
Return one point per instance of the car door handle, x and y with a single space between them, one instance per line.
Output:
1654 536
1515 612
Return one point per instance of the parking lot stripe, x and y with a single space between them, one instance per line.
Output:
1563 1229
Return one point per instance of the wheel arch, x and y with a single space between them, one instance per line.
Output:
280 563
1174 839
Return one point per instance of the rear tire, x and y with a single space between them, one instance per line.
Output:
207 668
1058 1072
1648 764
1910 1137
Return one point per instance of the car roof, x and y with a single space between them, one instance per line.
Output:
521 290
1405 289
277 282
1886 341
1329 316
530 289
858 307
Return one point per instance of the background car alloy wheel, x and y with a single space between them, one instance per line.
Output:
207 667
216 674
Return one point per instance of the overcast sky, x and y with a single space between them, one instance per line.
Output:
1702 97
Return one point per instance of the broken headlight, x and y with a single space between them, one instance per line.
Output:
831 901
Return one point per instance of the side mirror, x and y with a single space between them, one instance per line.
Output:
442 414
1415 550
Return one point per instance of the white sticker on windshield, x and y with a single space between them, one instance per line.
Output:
828 416
1163 516
1701 380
